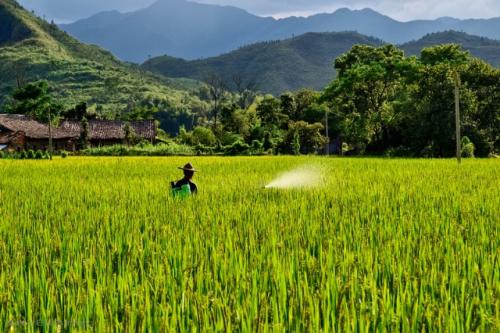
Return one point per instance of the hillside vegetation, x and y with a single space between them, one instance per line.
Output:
32 49
480 47
304 61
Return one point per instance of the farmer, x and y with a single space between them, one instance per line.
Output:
185 186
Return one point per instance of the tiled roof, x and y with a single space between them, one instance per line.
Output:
31 128
112 129
98 129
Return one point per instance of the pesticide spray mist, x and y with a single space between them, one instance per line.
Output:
302 177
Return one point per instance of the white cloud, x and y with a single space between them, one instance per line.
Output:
64 10
398 9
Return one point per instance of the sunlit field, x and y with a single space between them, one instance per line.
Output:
99 244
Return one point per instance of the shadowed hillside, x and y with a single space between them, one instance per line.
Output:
277 66
191 30
32 49
480 47
304 61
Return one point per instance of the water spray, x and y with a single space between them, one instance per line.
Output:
302 177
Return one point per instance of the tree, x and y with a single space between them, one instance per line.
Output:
306 101
20 73
429 125
296 143
130 135
288 105
246 91
269 111
217 90
199 136
483 126
77 113
238 120
369 79
85 134
204 136
35 101
305 137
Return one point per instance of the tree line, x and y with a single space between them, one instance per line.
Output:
381 102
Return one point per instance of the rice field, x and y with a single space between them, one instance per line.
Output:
99 244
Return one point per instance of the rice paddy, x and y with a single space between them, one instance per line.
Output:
99 244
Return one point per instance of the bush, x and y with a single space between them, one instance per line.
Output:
170 149
39 155
204 136
257 147
31 154
237 148
23 155
399 152
468 148
204 150
64 154
2 154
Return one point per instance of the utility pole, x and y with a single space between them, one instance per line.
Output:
457 117
50 135
327 148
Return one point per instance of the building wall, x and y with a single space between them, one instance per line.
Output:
43 144
16 142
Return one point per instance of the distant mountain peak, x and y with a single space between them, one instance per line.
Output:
191 30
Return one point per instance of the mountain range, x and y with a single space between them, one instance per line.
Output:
304 61
32 49
192 30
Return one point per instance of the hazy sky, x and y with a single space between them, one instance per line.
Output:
70 10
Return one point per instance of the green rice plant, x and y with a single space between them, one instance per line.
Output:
100 244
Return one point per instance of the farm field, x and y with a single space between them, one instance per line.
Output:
98 244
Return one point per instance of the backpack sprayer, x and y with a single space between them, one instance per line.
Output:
181 192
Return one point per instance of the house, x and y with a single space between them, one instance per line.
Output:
19 132
110 132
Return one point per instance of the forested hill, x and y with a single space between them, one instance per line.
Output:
304 61
192 30
480 47
276 66
32 49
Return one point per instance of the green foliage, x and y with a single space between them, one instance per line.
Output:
25 155
382 101
31 154
483 48
199 136
76 73
84 134
237 148
272 67
305 138
296 143
130 135
170 149
446 53
35 101
270 112
39 155
467 148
